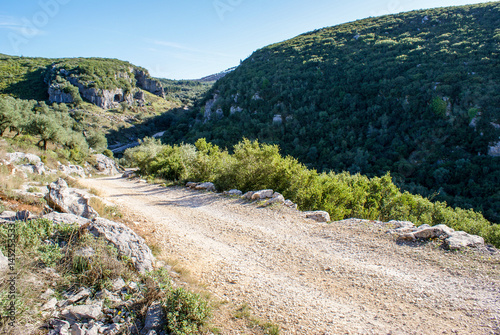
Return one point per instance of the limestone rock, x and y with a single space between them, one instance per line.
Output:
210 187
72 170
129 174
83 312
50 305
460 239
105 165
191 184
125 240
17 157
4 263
79 295
276 199
65 200
426 232
248 195
236 193
318 216
8 216
65 218
262 194
118 284
290 204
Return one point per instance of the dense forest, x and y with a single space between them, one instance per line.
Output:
415 94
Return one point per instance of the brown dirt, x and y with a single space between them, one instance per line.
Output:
347 277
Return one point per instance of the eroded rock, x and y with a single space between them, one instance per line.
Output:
318 216
125 240
63 199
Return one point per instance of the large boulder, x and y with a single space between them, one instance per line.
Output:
66 200
105 165
262 194
72 170
65 218
125 240
18 157
210 187
460 239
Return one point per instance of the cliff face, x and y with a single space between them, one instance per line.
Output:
107 98
147 83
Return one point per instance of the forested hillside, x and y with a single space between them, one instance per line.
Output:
416 94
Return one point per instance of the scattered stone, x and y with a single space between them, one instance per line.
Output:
155 319
248 195
191 184
210 187
79 295
133 287
76 330
262 194
236 193
8 216
60 327
65 218
83 312
276 199
47 294
125 240
110 329
318 216
49 305
72 170
106 295
118 284
460 239
290 204
63 199
16 157
129 174
4 263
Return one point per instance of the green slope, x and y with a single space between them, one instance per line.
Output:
417 94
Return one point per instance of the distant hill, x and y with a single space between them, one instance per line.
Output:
217 76
416 94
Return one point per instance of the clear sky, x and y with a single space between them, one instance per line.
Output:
182 39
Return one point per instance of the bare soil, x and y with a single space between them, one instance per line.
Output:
347 277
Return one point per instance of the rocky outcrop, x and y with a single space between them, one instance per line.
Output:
105 165
125 240
20 157
105 98
66 200
149 84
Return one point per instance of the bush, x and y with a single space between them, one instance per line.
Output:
186 312
255 166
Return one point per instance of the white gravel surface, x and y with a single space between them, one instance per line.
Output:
347 277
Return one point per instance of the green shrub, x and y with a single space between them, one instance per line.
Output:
254 166
186 312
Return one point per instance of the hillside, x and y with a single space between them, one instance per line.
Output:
416 94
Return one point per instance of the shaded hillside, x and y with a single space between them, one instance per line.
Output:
417 94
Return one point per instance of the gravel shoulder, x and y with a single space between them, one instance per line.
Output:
347 277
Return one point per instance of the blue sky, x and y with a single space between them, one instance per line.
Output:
175 39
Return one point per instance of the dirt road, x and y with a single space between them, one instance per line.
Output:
347 277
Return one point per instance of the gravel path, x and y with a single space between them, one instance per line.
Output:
348 277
